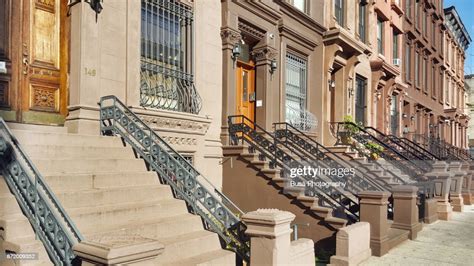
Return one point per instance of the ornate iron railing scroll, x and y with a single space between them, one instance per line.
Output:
48 218
216 210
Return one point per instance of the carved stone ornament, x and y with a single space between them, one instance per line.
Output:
194 127
264 53
230 36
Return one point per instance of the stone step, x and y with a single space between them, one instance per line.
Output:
103 218
63 166
15 226
78 152
85 181
215 257
9 205
46 138
164 227
37 128
100 197
26 245
189 245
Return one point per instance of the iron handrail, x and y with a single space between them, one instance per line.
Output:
389 138
308 146
187 183
429 155
267 145
50 221
403 163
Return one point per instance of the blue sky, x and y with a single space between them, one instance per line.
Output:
465 10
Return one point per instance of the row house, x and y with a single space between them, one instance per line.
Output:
433 70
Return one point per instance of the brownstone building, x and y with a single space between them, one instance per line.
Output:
433 70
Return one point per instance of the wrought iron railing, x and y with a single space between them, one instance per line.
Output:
167 66
216 210
410 154
48 218
393 156
243 130
319 154
414 148
441 148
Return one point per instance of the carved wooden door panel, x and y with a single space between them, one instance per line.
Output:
39 44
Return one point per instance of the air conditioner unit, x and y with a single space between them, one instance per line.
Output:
397 61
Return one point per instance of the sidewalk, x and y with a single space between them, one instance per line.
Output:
441 243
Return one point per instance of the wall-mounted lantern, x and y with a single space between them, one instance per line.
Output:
404 115
94 4
332 84
235 53
273 66
412 118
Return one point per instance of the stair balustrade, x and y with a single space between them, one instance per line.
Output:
319 154
52 225
243 130
394 156
218 212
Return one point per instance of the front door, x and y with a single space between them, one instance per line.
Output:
360 105
34 48
245 75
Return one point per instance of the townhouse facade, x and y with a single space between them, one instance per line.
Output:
434 61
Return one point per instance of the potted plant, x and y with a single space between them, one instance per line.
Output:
350 129
375 150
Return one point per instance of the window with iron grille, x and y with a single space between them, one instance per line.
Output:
166 74
339 11
295 92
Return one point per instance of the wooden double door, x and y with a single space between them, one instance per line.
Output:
34 41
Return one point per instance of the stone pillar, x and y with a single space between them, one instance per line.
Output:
405 214
117 249
456 185
270 232
373 209
230 37
265 81
466 184
352 244
442 182
98 60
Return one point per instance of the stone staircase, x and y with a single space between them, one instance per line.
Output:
107 191
247 178
379 170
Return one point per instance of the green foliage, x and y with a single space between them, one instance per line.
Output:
374 147
350 125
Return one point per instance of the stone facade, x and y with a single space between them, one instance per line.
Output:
434 63
110 47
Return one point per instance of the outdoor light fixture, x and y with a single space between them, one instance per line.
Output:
412 118
273 66
404 115
94 4
235 53
332 84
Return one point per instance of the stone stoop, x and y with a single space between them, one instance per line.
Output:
16 233
247 178
106 190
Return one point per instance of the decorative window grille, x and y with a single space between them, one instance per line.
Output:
296 79
167 80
